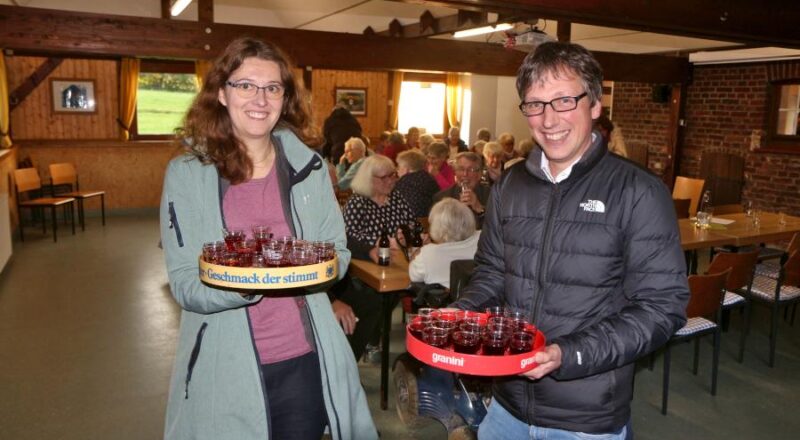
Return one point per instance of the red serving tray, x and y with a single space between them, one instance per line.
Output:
474 364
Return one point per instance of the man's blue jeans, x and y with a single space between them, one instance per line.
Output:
499 424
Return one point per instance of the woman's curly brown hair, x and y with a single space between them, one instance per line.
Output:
207 130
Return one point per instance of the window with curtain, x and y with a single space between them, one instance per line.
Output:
422 104
166 90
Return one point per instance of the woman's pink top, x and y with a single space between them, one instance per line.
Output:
446 177
277 325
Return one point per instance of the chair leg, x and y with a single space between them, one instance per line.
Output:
81 215
72 215
773 334
696 362
55 224
745 330
665 389
103 207
715 361
44 221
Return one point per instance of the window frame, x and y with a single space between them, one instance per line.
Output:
158 66
430 77
778 143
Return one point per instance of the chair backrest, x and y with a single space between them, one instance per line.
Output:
63 174
791 270
707 292
794 244
688 188
733 208
27 179
682 207
460 274
742 265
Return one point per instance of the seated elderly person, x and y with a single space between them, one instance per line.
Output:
613 138
412 137
521 152
477 148
415 184
438 166
483 134
494 157
453 236
395 146
354 154
373 207
506 140
425 141
454 142
469 190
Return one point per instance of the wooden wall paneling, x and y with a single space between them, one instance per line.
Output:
131 173
34 118
324 83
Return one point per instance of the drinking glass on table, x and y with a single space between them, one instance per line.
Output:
703 220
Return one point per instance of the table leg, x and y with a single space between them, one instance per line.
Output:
387 326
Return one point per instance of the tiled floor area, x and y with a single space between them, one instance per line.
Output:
88 329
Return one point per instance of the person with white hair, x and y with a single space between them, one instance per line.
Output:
354 154
493 157
483 134
521 151
453 236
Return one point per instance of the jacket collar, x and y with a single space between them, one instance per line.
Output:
597 150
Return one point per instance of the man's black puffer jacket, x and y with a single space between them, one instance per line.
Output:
596 263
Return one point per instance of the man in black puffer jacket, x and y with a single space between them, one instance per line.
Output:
586 243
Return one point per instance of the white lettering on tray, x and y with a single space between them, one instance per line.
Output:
449 360
525 362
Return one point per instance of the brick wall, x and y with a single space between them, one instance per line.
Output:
726 111
726 107
644 123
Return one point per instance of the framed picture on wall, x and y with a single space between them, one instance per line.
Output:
353 99
72 96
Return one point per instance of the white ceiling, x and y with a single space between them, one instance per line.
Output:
353 16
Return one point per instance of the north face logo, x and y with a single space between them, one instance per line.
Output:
593 206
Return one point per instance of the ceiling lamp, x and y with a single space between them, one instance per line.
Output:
483 30
178 7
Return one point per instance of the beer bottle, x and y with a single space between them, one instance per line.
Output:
383 248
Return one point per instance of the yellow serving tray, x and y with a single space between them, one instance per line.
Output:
263 278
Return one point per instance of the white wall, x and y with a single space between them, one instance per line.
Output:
494 106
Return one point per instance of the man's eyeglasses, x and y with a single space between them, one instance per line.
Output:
467 170
248 90
387 176
562 104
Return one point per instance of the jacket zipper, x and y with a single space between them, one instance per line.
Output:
193 357
538 297
173 224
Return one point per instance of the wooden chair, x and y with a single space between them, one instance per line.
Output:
64 175
737 289
707 292
688 188
26 181
772 268
783 291
682 207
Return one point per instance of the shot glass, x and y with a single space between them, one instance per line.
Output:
521 342
436 336
261 234
466 342
231 237
273 254
495 311
212 251
494 343
417 324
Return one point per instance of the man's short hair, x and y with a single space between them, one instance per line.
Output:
438 149
559 59
470 156
484 134
506 139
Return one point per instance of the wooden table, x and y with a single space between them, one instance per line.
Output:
739 233
388 280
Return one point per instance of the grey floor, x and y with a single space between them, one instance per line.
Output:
87 339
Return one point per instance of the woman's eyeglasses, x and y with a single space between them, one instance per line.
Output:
386 177
248 90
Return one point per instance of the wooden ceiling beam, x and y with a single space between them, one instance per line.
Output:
429 25
742 21
205 11
50 32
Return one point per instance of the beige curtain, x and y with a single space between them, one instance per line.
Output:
5 139
201 68
454 96
128 85
397 83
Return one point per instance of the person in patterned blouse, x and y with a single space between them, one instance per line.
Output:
374 205
415 185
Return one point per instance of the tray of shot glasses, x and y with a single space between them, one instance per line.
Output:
495 343
264 262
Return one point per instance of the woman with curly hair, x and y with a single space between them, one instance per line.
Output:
254 364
